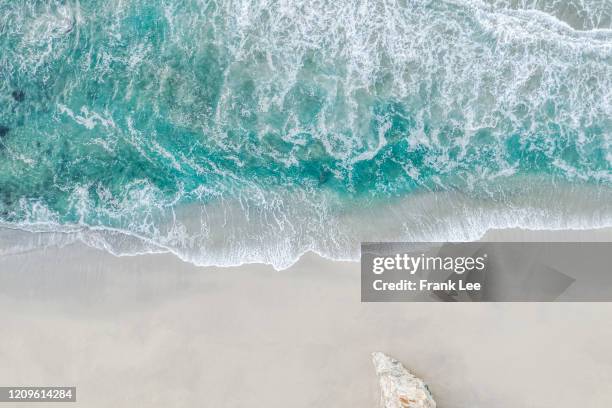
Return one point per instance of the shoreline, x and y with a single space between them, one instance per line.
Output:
124 329
233 238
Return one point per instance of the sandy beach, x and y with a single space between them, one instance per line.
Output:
153 331
186 187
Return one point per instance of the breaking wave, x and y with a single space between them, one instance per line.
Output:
231 132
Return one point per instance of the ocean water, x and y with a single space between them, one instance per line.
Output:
238 131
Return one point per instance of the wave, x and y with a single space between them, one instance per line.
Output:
227 235
241 131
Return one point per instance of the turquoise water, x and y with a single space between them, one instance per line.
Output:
260 126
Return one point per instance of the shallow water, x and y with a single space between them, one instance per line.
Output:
253 131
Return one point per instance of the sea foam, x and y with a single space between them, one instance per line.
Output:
230 132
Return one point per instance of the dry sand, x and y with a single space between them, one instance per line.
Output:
152 331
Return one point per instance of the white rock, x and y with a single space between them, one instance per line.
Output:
398 387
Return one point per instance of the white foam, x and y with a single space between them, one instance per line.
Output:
279 231
459 65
